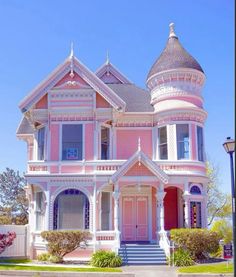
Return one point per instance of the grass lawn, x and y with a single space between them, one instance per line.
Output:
15 261
208 268
57 268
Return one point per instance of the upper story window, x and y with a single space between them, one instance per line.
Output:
182 133
105 143
200 147
72 144
162 139
41 144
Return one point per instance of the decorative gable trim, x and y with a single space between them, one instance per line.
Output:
72 64
139 156
109 68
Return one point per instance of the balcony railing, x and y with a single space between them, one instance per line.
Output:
101 167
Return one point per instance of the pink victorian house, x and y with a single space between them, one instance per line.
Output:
104 155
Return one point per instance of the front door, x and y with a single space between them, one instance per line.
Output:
134 218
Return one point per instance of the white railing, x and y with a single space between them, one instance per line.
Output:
164 242
105 166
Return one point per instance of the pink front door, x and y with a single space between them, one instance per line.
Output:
134 218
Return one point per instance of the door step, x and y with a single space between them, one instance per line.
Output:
142 254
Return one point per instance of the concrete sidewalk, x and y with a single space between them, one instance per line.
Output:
151 271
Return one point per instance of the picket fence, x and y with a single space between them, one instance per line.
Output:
20 246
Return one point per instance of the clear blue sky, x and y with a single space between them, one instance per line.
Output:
36 37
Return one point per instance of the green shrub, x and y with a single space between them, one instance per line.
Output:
44 257
61 243
47 257
102 258
199 242
181 258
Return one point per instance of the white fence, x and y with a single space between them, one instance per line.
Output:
20 246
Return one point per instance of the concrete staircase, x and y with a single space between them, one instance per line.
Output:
142 254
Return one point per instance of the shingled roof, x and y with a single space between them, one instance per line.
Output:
173 56
136 99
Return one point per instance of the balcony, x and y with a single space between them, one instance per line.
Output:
107 167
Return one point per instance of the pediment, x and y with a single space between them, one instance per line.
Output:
139 169
72 74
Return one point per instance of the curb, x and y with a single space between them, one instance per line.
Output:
205 275
61 274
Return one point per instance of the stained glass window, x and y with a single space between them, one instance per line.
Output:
195 190
71 210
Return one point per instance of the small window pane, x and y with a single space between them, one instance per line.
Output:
41 142
39 210
195 211
104 143
200 147
163 152
182 141
105 207
72 142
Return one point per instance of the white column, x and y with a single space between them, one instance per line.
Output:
160 217
47 210
116 195
187 210
94 216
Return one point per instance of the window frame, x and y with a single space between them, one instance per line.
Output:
182 141
203 144
162 144
82 141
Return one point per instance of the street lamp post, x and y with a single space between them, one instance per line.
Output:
229 146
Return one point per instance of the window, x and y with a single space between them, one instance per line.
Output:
39 199
162 135
72 142
104 143
41 143
200 149
195 190
195 211
182 141
105 210
71 210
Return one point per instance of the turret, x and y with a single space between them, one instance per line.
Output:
175 76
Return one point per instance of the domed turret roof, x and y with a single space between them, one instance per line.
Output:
173 56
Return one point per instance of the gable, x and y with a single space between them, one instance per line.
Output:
72 81
63 75
109 78
139 169
109 74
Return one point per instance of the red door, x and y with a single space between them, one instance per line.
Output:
134 218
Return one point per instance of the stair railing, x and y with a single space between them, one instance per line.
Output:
164 242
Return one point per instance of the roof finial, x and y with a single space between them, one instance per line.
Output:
72 60
71 49
172 31
139 144
108 58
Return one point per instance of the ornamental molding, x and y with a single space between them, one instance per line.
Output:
71 94
192 76
168 117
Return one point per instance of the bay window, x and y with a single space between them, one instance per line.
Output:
182 134
162 143
200 148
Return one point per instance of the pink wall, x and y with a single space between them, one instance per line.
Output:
42 103
54 142
89 139
101 102
67 78
127 142
171 208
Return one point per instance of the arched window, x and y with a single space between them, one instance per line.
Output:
195 190
71 210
